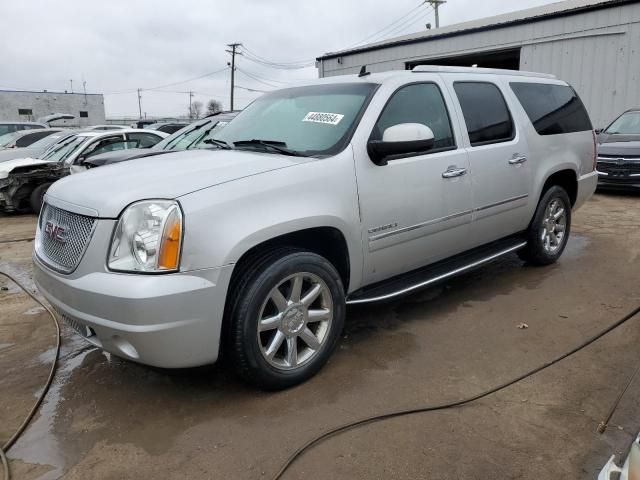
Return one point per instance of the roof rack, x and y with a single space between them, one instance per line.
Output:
488 71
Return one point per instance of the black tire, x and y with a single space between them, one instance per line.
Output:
37 197
535 252
250 298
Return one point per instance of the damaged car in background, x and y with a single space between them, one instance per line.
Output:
24 181
194 136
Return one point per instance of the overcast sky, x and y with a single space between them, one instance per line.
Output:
117 46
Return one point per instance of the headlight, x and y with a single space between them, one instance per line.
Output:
147 238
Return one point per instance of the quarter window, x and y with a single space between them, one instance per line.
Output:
552 109
485 113
418 103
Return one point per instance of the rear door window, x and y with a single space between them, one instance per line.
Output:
552 109
485 112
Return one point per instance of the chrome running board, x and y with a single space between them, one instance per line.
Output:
435 273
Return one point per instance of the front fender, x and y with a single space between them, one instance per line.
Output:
225 221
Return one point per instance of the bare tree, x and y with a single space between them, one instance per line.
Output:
213 106
195 109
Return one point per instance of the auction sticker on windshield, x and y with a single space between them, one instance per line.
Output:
321 117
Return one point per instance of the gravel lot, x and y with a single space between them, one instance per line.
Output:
108 418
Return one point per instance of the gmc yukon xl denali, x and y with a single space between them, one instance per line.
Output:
345 190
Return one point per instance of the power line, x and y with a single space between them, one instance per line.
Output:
291 65
257 79
168 84
384 31
402 28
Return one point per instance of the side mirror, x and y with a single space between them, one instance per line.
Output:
400 139
599 131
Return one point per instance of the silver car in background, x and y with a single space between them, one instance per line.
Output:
346 190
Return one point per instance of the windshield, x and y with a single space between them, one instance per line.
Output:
313 120
47 141
626 124
8 138
64 149
192 136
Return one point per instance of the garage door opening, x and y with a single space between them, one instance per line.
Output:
509 59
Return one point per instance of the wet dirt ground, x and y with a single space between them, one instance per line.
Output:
108 418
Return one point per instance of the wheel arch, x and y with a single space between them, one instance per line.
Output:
327 241
565 177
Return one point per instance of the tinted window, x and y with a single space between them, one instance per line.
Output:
418 103
144 140
552 109
485 112
28 139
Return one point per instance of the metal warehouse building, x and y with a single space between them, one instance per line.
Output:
29 106
592 44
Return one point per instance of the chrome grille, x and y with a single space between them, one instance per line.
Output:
618 167
62 237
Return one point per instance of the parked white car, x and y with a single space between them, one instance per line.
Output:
346 190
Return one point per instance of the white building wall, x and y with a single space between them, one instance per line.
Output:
45 103
596 51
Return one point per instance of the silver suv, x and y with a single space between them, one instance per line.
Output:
345 190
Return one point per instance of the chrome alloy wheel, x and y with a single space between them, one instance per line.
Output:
295 320
554 224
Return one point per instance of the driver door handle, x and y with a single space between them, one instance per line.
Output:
517 159
453 171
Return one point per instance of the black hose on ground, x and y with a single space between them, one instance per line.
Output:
34 409
459 403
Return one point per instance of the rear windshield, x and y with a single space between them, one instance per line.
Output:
552 109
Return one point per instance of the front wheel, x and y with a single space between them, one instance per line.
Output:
286 319
548 232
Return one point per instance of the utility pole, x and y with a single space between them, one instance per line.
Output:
435 4
233 53
140 104
71 81
190 105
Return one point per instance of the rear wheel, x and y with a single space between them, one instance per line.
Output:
37 197
286 319
548 232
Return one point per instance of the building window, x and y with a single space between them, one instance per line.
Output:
25 111
84 114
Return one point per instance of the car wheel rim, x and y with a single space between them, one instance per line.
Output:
554 224
294 321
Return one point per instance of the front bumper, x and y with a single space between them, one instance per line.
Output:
618 182
169 321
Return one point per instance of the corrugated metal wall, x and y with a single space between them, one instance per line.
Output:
598 52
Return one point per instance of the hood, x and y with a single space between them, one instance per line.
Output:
120 156
13 153
56 116
7 167
625 147
107 190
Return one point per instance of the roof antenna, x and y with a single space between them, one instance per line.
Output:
363 71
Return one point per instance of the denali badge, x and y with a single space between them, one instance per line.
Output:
55 232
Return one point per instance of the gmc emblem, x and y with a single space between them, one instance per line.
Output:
55 232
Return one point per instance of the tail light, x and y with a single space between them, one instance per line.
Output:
595 150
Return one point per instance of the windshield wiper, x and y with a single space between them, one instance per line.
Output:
274 145
219 143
